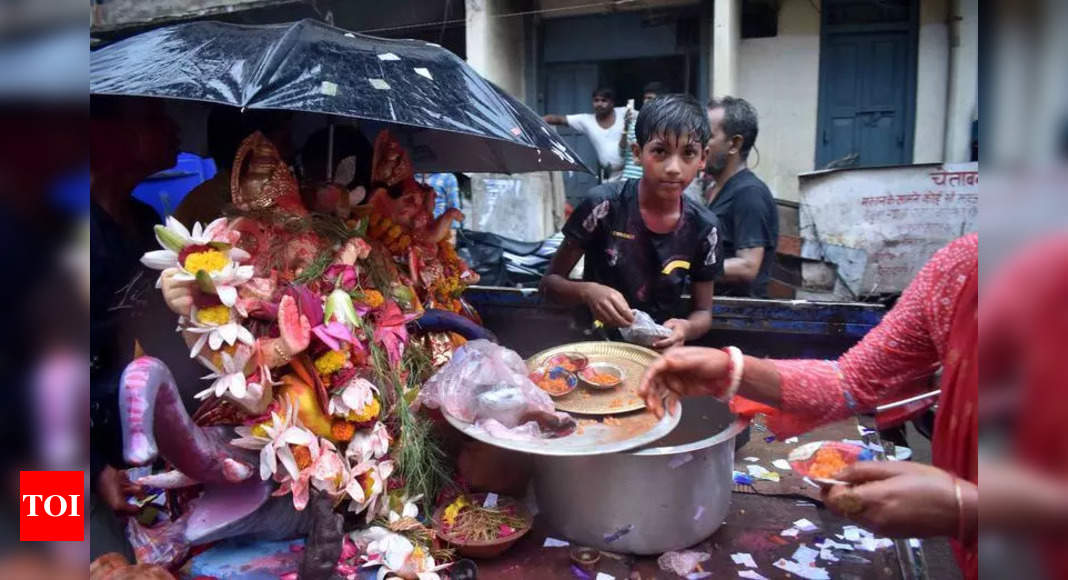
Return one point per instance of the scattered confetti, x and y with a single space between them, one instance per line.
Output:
769 439
751 575
805 555
761 473
698 575
830 544
802 570
491 500
744 559
873 544
681 460
423 72
742 479
791 440
855 559
781 464
379 84
805 525
827 554
752 459
554 543
609 538
790 532
603 576
388 56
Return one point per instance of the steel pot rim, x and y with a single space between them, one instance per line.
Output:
728 434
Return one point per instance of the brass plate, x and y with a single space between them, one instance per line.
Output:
633 359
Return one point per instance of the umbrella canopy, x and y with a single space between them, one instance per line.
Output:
449 117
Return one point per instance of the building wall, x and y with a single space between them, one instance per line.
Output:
495 46
780 77
932 83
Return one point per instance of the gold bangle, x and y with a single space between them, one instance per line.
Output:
960 508
281 354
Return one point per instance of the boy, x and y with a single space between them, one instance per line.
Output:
645 243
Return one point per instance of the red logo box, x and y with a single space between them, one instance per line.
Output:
51 506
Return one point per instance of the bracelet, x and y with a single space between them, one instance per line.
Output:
960 508
734 371
281 354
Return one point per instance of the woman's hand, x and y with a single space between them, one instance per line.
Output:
896 498
607 305
679 329
177 295
683 372
114 487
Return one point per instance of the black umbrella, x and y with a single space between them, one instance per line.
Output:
449 117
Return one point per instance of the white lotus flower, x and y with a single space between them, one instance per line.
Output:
396 554
216 325
366 486
219 260
354 398
368 444
230 378
273 441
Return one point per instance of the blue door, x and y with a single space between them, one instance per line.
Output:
867 86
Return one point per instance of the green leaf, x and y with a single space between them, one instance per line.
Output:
170 240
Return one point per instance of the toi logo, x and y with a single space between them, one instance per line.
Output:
51 506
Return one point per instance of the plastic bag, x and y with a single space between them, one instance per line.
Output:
487 385
645 331
681 563
163 544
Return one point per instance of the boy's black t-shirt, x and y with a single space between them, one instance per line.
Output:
750 219
651 270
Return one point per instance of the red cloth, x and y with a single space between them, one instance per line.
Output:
934 322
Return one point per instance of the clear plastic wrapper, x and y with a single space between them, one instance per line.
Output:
487 384
645 331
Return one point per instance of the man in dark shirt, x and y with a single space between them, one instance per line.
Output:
741 201
645 243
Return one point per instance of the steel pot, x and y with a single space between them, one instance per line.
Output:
665 496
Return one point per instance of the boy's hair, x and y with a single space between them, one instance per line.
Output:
655 87
606 93
675 114
739 118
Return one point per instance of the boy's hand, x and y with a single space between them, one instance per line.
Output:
177 295
679 328
113 487
607 305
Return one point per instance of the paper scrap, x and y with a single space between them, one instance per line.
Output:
379 84
388 56
609 538
805 525
781 464
769 439
491 500
790 532
554 543
855 559
698 512
745 559
802 570
805 555
698 575
603 576
751 575
830 544
752 459
827 554
681 460
791 440
328 88
761 473
809 481
742 479
873 544
851 533
914 543
423 72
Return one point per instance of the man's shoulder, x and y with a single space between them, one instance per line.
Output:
751 183
611 191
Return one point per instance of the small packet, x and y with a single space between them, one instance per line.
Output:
644 331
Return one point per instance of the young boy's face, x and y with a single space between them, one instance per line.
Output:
670 162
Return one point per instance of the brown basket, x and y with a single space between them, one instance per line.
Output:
492 548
